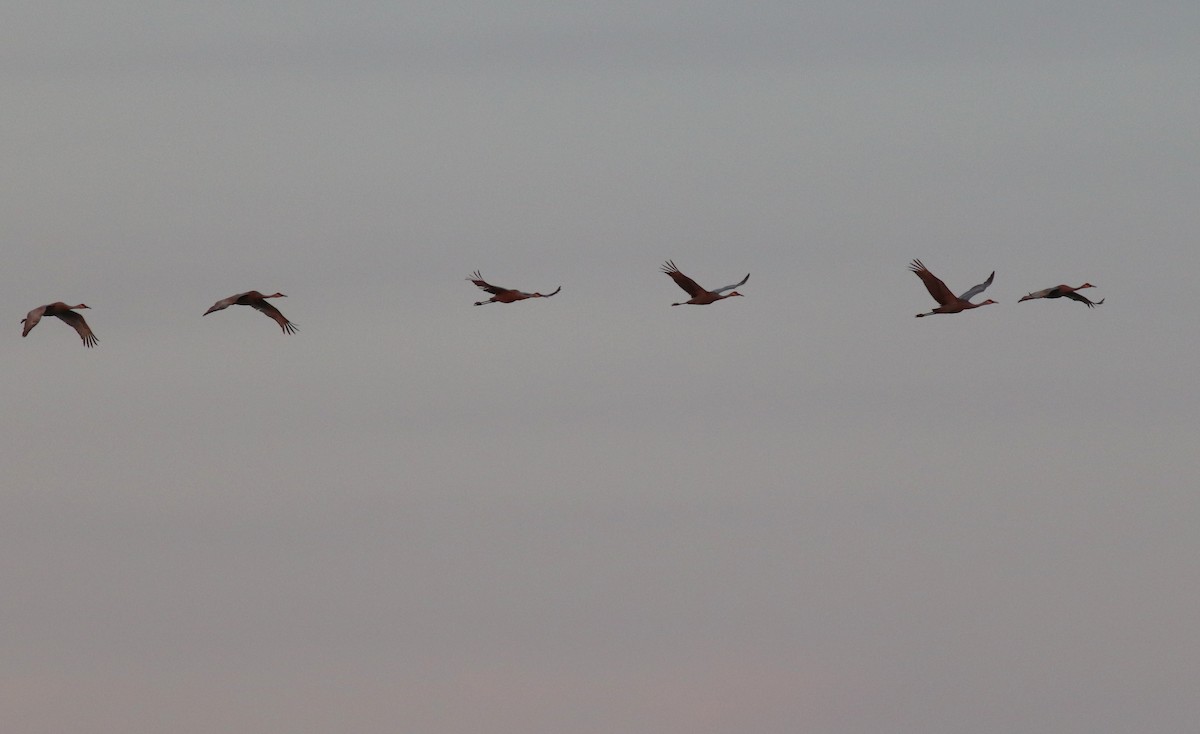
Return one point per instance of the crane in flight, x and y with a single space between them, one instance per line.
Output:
258 302
1064 291
947 301
65 313
504 295
699 296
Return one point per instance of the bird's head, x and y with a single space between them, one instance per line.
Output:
1025 297
82 305
1085 285
987 302
275 295
734 293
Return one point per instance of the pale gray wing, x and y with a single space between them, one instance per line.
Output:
976 290
735 285
31 319
223 304
1044 293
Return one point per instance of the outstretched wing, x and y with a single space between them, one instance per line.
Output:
31 319
287 326
735 285
223 304
976 290
933 284
79 325
1044 293
684 282
1083 299
483 285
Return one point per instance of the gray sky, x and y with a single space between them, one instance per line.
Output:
803 510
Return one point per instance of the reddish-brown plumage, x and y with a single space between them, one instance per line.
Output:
1064 291
699 296
64 313
504 295
258 302
949 303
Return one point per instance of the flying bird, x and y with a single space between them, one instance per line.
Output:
504 295
949 303
699 296
258 302
64 312
1060 291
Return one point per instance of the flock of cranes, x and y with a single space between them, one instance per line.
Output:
950 303
947 301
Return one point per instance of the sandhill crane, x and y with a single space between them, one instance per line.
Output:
504 295
950 303
699 296
1060 291
257 301
64 312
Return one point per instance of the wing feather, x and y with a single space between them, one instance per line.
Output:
1044 293
224 303
735 285
77 322
483 285
1083 299
976 290
31 319
287 326
687 284
933 284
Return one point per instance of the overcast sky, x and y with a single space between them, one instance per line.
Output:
799 511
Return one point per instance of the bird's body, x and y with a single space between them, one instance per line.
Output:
64 312
1064 291
948 302
504 295
257 301
699 296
